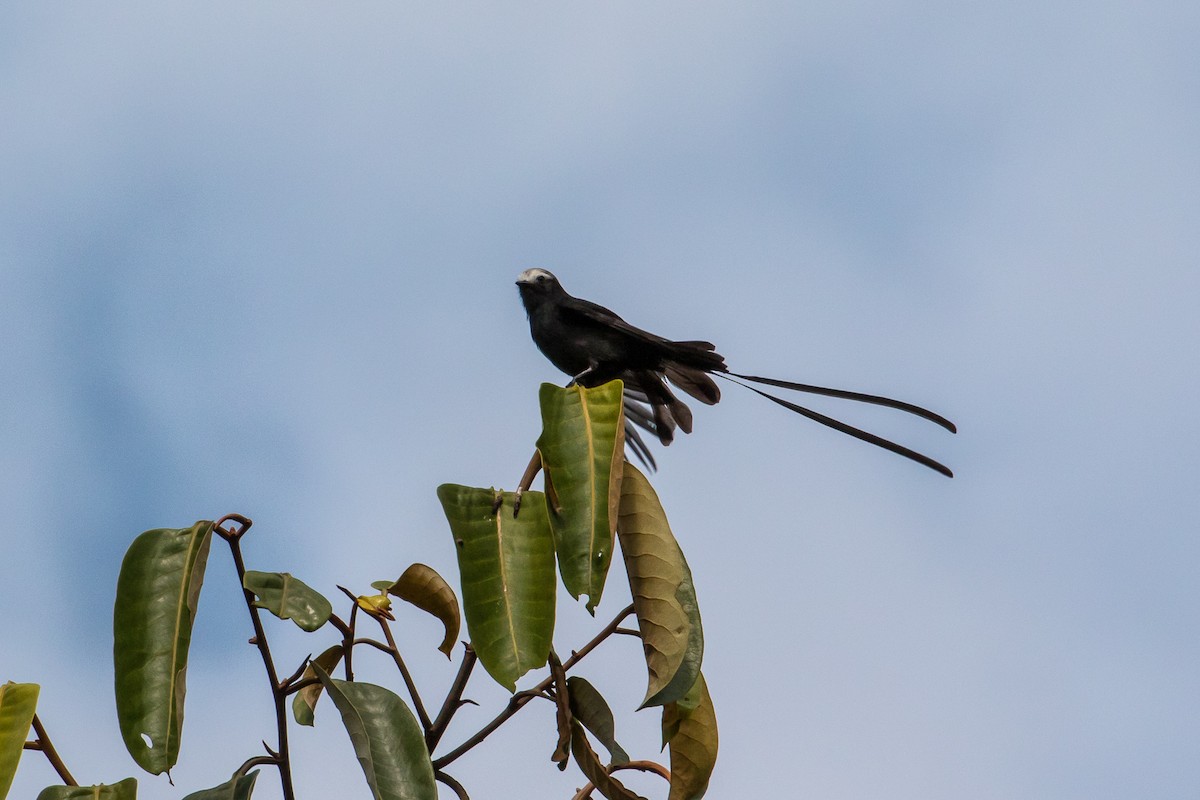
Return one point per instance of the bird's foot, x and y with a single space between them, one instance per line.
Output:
578 379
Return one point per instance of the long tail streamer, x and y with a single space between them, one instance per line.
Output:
842 427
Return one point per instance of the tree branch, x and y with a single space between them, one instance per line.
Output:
280 757
43 743
454 785
373 643
348 640
404 673
453 699
254 762
338 623
286 685
643 766
531 471
297 686
519 699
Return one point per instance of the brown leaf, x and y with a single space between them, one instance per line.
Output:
427 590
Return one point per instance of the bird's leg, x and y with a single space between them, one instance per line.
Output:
578 379
531 471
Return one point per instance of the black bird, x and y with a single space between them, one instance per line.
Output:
593 345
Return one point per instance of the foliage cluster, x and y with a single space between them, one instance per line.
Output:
512 549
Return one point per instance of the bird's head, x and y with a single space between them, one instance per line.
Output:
536 285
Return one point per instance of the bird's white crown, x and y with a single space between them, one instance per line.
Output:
531 275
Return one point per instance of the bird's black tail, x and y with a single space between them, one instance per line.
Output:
873 399
850 430
636 417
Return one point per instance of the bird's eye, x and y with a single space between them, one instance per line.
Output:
543 278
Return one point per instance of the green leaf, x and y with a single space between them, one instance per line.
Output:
288 598
589 765
664 598
157 592
305 701
386 737
125 790
427 590
692 734
506 567
590 708
238 788
582 447
18 702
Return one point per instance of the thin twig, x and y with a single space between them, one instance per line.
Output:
531 471
608 630
44 744
453 699
279 757
257 761
348 644
422 715
515 704
643 766
519 699
378 645
338 623
295 676
454 785
347 630
300 685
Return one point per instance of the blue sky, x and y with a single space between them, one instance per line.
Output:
260 258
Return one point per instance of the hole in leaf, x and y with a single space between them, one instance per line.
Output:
149 742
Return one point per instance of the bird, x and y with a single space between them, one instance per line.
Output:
594 345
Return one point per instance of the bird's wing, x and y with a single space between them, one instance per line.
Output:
688 355
589 313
